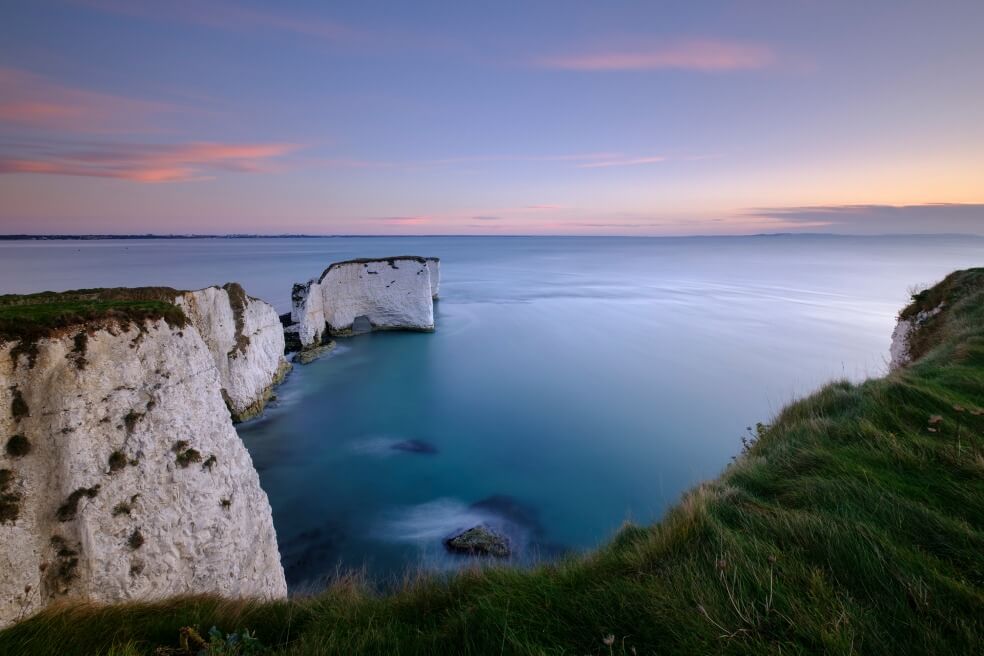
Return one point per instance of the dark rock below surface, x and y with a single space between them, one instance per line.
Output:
415 446
479 541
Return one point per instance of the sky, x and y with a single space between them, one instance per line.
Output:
568 117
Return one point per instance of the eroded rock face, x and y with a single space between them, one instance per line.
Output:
388 293
246 339
901 337
128 480
434 266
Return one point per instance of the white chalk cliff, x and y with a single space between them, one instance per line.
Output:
121 474
379 294
246 339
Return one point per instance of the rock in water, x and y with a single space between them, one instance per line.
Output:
393 293
309 355
479 541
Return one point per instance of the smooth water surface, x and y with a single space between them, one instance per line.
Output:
571 383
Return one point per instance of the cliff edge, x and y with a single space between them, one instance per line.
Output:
923 323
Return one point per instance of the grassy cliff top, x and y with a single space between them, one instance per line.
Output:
958 287
30 317
854 524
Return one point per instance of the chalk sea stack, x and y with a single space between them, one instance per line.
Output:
391 293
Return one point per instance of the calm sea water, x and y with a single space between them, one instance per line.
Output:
571 384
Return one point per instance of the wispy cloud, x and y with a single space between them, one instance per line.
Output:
631 161
227 16
564 157
575 160
34 101
926 218
702 55
147 162
585 224
403 220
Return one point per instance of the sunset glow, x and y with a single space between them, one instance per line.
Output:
217 116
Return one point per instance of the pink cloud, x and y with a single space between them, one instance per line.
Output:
703 55
404 220
149 162
33 101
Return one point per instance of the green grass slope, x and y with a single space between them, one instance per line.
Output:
853 525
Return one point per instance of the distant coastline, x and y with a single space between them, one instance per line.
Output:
95 237
152 236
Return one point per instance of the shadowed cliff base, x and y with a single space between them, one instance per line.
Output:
854 523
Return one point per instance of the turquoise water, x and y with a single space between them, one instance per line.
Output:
571 384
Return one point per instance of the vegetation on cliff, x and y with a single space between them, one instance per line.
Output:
29 317
853 524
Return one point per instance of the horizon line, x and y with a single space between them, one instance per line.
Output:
287 235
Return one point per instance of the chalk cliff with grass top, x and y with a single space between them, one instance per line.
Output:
853 524
122 475
394 293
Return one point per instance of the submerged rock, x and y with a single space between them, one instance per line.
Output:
511 510
415 446
479 541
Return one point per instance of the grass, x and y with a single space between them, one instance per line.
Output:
117 461
853 524
238 300
70 508
31 317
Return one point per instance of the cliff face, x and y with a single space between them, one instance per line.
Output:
123 477
246 340
905 329
434 268
899 350
375 294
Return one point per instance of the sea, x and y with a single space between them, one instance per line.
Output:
571 385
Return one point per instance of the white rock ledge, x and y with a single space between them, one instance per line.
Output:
392 293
